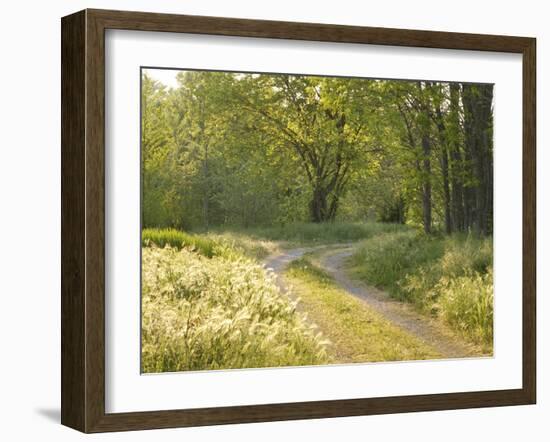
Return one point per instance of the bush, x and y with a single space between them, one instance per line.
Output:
466 253
211 244
178 239
385 260
449 277
218 313
461 255
466 303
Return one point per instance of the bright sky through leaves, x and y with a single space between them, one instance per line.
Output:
165 76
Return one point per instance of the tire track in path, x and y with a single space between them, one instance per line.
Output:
402 315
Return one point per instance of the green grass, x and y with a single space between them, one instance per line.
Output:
322 233
211 244
357 333
179 239
258 243
239 243
449 277
466 303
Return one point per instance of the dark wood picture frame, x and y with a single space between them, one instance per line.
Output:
83 216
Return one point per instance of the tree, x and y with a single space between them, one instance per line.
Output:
478 132
158 185
323 121
259 149
456 165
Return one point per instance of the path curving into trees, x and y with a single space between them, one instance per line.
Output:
332 259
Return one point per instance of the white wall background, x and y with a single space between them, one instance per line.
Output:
30 217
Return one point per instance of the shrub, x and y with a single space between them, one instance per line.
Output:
385 260
449 277
466 303
466 253
178 239
462 255
226 244
218 313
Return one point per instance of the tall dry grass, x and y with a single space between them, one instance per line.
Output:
449 277
202 313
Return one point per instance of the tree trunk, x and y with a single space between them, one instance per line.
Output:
446 190
427 185
333 208
477 101
318 205
426 166
456 163
325 200
444 161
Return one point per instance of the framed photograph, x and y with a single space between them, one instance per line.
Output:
267 220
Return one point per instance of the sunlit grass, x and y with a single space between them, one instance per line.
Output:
466 302
357 332
179 239
448 277
210 244
202 313
209 304
322 233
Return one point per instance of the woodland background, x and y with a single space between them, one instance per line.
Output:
234 149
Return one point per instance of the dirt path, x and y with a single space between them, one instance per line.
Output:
278 261
401 314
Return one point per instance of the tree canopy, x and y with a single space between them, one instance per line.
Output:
240 149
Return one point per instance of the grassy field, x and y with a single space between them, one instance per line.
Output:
357 333
211 244
448 277
309 234
218 312
208 302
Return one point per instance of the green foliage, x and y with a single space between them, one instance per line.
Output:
243 150
462 255
218 313
160 184
466 302
450 277
467 252
385 260
179 239
226 244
